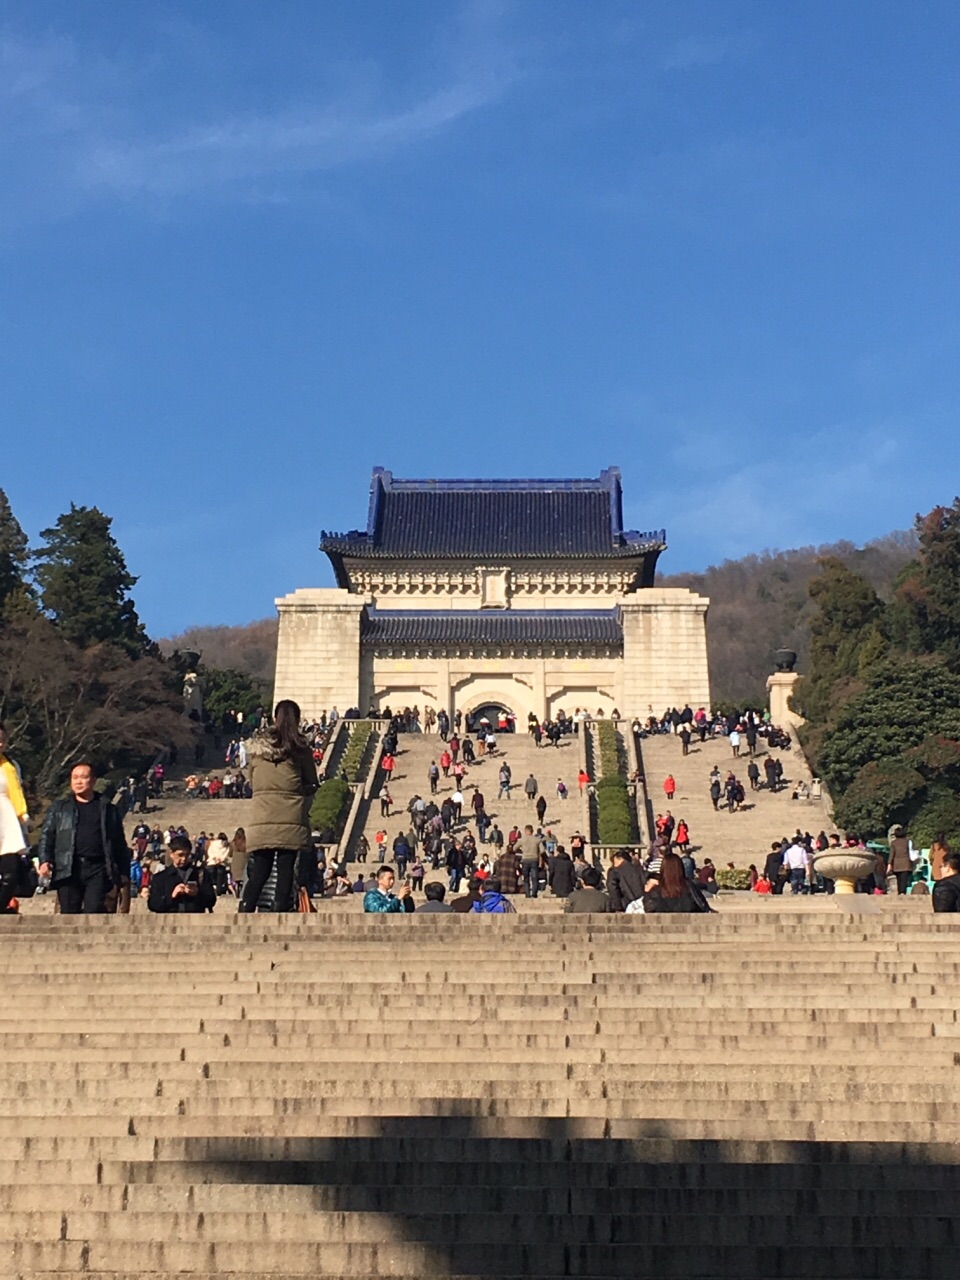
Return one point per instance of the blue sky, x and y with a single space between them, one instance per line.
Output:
250 250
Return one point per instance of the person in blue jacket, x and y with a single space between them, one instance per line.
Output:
382 900
492 902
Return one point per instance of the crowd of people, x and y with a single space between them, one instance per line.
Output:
83 854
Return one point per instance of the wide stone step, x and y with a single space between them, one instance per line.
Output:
384 1189
218 1096
97 1135
413 1259
738 1228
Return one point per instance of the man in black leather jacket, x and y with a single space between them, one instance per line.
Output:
625 881
946 892
83 848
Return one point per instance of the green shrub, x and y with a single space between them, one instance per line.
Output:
330 807
615 823
353 752
614 820
738 878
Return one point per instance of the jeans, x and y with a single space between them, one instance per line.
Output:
258 873
798 879
531 878
86 890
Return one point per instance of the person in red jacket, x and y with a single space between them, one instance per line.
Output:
446 760
670 786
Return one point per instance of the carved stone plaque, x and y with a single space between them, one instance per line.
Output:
494 587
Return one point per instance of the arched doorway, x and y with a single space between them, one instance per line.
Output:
497 715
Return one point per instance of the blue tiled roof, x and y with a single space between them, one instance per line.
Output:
476 519
511 626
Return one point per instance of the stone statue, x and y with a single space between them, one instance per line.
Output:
192 696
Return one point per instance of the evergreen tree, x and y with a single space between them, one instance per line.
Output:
84 583
13 554
926 611
846 635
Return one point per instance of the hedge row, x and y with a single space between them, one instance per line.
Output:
353 753
734 878
331 804
614 820
330 807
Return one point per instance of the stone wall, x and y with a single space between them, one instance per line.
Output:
664 651
318 649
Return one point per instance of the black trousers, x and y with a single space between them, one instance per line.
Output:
86 890
258 873
9 878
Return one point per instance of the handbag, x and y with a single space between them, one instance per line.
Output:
304 902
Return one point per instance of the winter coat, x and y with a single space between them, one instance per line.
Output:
899 855
493 904
59 834
625 884
507 871
946 894
563 877
376 902
686 904
283 788
587 901
163 884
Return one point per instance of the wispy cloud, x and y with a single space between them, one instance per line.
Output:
806 493
296 140
76 128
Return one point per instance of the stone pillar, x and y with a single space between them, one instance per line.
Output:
664 651
318 651
780 687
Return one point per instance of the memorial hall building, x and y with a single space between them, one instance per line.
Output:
527 595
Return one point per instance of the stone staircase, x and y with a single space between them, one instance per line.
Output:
762 1093
744 836
546 763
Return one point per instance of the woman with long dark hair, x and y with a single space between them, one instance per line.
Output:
284 779
668 890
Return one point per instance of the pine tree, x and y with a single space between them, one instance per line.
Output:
926 610
84 583
13 554
846 635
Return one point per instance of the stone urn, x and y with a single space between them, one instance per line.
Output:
845 867
785 659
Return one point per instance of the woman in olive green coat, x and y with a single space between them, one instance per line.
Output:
284 779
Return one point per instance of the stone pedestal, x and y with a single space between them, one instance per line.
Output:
780 687
845 867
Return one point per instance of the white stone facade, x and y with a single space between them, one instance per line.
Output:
321 663
554 625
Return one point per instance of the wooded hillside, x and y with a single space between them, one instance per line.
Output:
761 603
758 605
251 648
